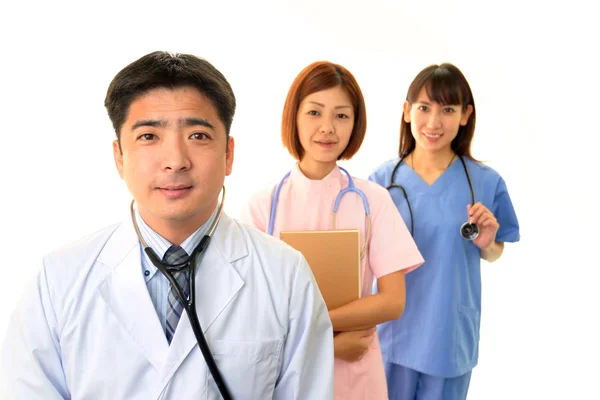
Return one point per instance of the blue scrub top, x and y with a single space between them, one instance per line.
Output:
438 334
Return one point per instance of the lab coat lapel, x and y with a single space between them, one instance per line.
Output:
217 283
126 295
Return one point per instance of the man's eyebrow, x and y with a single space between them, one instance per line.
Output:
155 123
192 121
149 122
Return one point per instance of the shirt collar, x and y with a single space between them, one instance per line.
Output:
160 245
333 179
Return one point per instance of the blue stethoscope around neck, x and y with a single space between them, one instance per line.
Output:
468 230
350 188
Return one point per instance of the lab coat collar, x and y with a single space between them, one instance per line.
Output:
126 294
217 283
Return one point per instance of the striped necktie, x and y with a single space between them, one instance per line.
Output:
176 255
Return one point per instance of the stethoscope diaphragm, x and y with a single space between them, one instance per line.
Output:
469 231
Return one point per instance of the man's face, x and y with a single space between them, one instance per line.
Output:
174 159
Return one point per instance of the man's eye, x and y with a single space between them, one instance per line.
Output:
200 136
147 136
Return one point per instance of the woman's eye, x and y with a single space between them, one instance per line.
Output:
313 112
422 108
342 116
448 110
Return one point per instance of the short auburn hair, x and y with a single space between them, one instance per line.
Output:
318 76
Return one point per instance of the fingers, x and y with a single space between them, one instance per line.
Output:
363 333
488 221
367 340
359 337
352 346
365 345
369 332
477 211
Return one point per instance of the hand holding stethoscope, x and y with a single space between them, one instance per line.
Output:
470 229
487 223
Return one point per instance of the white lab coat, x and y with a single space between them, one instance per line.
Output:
87 328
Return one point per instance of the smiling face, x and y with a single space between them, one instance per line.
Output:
325 120
434 126
174 159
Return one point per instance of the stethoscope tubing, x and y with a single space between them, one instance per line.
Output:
350 188
412 221
189 304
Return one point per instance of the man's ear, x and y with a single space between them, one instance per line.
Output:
118 156
229 156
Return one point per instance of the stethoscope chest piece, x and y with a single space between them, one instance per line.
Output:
469 231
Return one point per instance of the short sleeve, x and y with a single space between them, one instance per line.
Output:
378 176
503 210
256 212
391 247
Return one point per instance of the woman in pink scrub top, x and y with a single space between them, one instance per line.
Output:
324 120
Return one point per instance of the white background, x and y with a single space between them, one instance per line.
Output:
535 80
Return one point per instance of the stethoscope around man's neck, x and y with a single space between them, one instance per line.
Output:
350 188
189 304
468 230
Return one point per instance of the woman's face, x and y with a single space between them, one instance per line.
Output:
433 125
325 121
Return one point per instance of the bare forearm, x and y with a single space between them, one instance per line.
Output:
366 312
492 252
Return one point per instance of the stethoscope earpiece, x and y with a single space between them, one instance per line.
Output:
469 231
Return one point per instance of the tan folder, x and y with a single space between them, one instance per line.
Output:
334 258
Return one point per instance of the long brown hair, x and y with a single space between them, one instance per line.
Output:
446 85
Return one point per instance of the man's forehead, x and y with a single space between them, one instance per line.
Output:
179 122
183 97
181 107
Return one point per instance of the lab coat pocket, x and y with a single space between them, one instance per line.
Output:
468 335
249 368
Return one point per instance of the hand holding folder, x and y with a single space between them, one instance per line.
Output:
334 258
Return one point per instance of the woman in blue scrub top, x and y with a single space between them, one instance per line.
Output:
437 186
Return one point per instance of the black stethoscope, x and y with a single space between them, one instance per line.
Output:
189 304
468 230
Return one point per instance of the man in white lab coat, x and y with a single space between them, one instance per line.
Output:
102 322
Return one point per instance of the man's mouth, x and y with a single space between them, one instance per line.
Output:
178 187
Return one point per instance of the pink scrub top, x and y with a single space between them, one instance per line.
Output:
306 204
